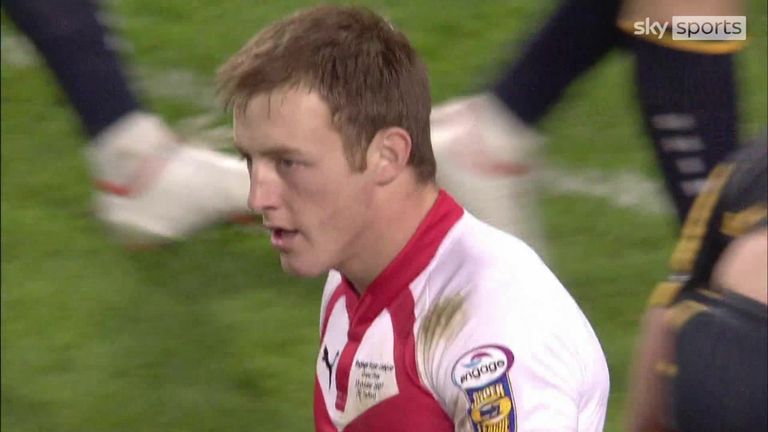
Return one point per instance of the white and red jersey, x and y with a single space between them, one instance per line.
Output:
466 330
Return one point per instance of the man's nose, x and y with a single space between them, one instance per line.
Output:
263 194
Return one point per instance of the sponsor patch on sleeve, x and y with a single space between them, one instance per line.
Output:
483 375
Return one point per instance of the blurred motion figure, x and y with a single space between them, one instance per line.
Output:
486 144
150 187
702 358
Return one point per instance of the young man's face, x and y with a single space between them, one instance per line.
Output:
314 205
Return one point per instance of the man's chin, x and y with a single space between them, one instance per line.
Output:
306 270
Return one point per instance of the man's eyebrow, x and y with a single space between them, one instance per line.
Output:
270 151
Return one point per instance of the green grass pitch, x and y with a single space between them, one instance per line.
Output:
209 335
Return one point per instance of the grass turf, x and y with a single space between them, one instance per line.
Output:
209 334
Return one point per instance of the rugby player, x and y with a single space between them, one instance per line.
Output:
486 144
150 188
431 320
702 358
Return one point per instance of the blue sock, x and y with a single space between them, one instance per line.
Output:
688 101
579 34
73 42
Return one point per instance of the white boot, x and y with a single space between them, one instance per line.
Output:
153 189
485 158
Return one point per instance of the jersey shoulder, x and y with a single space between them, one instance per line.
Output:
748 183
479 260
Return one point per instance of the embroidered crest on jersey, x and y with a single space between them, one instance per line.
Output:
483 375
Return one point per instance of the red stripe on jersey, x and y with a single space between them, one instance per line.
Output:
411 260
414 408
342 372
403 318
323 422
343 289
393 280
351 296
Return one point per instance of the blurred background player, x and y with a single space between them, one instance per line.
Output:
150 187
702 358
485 144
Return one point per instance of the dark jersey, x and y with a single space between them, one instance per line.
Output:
719 380
721 356
732 203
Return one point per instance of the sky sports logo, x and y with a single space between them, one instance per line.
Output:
698 28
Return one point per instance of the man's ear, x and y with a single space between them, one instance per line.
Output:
389 153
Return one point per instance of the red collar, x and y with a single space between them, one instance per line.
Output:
411 260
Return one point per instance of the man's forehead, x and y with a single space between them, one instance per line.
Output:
284 122
265 145
285 100
292 111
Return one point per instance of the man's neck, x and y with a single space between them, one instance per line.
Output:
398 215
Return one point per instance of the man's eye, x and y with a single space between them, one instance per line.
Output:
287 163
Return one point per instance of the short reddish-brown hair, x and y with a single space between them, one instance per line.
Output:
364 69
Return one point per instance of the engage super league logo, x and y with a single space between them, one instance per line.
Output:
481 366
482 374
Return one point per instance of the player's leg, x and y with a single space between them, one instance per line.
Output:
573 40
687 94
75 46
485 145
689 107
151 187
